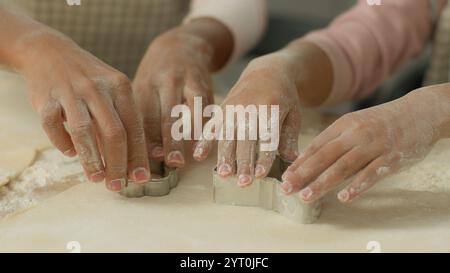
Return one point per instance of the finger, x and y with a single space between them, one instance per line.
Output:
226 158
148 101
343 168
269 141
245 161
138 169
170 95
194 100
368 177
203 147
315 164
198 87
112 137
212 131
226 155
264 163
290 132
321 140
53 123
84 139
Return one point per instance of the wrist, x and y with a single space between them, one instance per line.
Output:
179 40
36 45
278 63
431 104
213 39
313 71
19 35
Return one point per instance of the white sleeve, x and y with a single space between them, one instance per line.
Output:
246 19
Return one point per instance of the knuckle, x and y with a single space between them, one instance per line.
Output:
312 148
344 166
119 79
50 120
138 137
172 79
115 134
86 85
319 158
119 83
81 130
337 146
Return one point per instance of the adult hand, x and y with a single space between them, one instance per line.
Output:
177 68
69 85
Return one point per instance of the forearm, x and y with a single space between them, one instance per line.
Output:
14 30
217 37
362 49
311 69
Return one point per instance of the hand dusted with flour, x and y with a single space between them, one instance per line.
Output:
278 79
371 144
69 85
176 69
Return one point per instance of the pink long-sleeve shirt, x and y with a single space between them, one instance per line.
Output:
368 43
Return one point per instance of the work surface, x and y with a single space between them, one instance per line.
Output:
406 212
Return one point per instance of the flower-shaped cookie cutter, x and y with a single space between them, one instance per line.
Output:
267 194
163 180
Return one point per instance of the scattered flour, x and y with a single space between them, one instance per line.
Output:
430 175
50 174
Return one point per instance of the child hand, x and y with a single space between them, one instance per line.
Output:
266 81
369 145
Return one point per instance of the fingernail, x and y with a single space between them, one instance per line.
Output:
198 153
260 170
176 158
97 177
244 180
343 196
287 188
70 153
117 184
158 152
141 175
306 194
224 169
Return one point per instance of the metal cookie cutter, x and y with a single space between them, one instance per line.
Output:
156 186
266 193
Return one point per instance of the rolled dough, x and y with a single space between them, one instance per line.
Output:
406 212
13 161
20 133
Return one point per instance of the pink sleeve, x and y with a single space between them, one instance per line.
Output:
246 19
368 43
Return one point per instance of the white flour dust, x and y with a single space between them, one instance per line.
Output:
51 173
